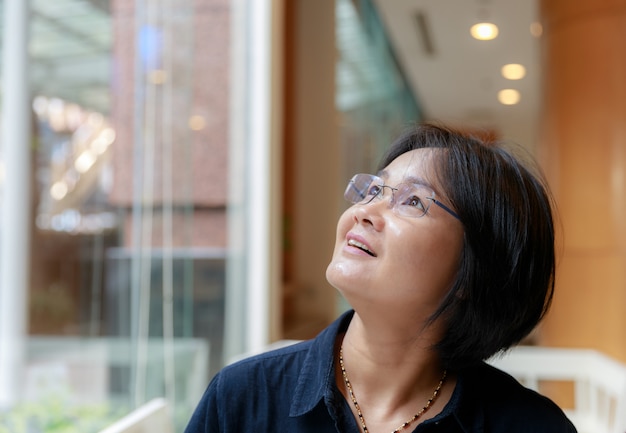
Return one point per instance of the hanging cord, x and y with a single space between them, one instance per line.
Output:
137 202
169 377
147 204
97 262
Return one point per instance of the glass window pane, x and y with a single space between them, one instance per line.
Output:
130 103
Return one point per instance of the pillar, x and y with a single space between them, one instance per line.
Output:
583 141
311 166
15 201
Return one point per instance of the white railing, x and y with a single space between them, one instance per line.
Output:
598 382
152 417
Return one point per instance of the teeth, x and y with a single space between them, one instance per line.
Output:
357 244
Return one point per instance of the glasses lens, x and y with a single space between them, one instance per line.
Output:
362 188
408 200
411 200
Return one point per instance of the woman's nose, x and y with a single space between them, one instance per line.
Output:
373 213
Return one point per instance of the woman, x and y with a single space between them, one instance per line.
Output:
447 257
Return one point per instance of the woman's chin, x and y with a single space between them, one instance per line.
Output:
342 276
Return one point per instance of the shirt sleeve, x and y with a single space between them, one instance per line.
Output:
205 418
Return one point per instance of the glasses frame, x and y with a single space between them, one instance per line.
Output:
382 187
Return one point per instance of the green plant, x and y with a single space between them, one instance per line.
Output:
56 414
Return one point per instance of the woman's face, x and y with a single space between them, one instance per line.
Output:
394 261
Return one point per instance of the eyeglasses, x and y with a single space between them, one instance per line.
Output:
407 199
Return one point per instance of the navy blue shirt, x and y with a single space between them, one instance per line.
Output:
293 390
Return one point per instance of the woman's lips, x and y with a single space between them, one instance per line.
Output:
356 242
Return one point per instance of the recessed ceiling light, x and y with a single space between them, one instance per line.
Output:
85 161
197 122
59 190
157 76
536 29
484 31
509 96
513 71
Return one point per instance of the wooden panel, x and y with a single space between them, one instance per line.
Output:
590 304
583 148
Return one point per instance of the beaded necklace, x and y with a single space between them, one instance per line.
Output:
358 408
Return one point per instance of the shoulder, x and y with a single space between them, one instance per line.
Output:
508 406
275 388
260 386
284 361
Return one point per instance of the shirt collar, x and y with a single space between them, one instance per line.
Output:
316 382
466 413
317 376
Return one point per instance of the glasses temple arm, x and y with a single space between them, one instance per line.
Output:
446 208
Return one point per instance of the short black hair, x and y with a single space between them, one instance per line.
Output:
505 280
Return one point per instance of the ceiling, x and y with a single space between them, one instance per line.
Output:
456 78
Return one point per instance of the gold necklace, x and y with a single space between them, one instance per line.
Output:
358 408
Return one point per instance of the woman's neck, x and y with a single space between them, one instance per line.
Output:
392 372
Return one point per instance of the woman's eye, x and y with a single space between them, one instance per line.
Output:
414 201
374 190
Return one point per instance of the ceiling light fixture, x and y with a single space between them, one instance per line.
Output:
536 29
157 76
484 31
197 122
84 161
509 96
59 190
513 71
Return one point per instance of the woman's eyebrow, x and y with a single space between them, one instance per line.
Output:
414 180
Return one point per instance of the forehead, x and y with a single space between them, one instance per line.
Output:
414 166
